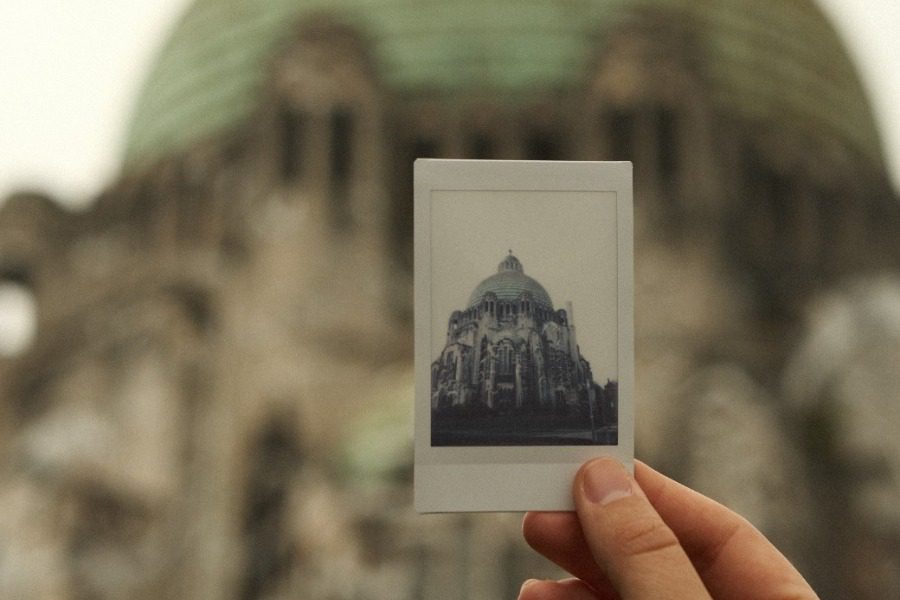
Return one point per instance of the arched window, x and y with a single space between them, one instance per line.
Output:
330 99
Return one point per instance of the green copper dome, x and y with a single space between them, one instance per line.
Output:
765 60
509 283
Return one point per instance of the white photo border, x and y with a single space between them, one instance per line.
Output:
514 478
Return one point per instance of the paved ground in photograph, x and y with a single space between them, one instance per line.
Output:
520 430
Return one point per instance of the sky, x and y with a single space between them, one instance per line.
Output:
71 70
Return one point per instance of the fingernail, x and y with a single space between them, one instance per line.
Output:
526 584
604 481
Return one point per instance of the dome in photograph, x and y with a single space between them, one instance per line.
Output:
771 62
510 282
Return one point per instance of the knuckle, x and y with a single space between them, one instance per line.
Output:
638 538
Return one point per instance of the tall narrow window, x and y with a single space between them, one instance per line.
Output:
542 145
402 207
666 124
505 360
341 166
774 197
480 146
425 148
620 129
779 195
292 125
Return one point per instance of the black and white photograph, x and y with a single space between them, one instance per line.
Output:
509 366
523 314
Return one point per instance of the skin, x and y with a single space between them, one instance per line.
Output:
649 537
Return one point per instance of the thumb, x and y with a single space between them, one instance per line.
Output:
628 539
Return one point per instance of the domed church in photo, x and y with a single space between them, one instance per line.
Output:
215 403
510 352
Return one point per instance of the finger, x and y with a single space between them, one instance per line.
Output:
628 538
566 589
733 558
557 536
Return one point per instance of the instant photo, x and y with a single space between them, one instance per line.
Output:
524 335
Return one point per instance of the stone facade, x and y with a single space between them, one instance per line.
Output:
215 403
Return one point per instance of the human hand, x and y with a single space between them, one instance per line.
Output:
649 537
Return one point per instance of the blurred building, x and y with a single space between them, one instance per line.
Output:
216 400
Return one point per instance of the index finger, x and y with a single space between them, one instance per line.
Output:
733 558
